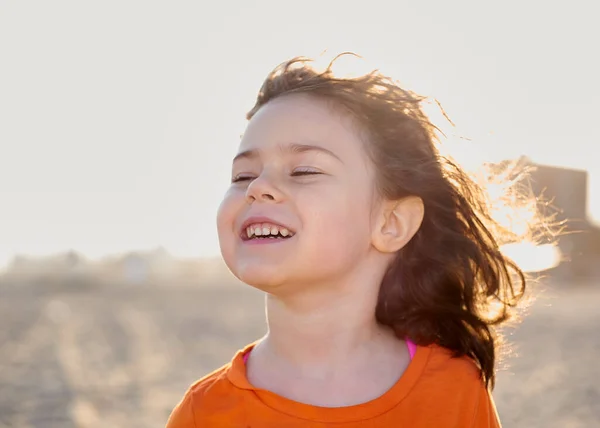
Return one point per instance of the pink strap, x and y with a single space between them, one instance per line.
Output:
412 349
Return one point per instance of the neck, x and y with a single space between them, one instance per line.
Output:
324 328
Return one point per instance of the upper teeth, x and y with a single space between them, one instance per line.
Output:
265 229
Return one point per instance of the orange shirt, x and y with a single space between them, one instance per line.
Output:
436 390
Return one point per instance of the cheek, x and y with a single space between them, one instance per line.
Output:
226 215
342 224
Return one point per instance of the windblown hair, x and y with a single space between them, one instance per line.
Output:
450 285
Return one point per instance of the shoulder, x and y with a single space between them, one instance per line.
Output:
215 398
445 366
202 396
456 386
212 383
446 375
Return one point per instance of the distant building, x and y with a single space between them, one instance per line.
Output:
567 190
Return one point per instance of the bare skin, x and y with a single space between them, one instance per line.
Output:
324 346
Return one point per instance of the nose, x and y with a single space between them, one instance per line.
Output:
263 189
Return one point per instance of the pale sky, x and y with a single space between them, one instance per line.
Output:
118 119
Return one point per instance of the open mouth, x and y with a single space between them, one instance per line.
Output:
265 231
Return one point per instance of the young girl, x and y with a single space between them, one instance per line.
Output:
379 271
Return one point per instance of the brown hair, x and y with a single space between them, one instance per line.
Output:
450 285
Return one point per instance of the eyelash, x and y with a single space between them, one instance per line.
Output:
298 173
240 179
301 172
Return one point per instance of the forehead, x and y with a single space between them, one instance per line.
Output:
303 119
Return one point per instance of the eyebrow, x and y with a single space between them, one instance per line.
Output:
290 148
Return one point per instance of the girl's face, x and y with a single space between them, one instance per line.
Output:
301 175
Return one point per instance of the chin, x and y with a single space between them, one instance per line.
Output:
264 278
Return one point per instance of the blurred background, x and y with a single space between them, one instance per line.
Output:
118 122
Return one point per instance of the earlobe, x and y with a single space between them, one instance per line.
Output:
400 221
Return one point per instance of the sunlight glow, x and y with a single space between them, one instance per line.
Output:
127 145
531 257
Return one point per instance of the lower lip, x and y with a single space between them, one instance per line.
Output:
266 241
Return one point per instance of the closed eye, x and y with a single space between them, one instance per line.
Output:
299 173
241 178
296 173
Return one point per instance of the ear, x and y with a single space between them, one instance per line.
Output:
397 223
